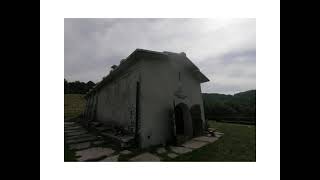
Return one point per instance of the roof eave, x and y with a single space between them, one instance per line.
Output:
200 76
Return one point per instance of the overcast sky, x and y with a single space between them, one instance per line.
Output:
223 49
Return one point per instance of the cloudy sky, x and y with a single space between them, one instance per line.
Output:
223 49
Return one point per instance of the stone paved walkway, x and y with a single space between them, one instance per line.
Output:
110 159
172 155
87 146
193 144
206 139
180 150
161 150
94 153
174 151
79 146
145 157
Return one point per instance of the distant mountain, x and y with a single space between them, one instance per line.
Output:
238 106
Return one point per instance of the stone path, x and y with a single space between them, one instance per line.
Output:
110 159
82 136
79 146
77 133
72 128
86 146
126 152
180 150
145 157
99 142
80 140
174 151
94 153
192 144
206 139
189 146
218 134
172 155
161 150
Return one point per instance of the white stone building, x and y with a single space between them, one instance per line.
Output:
155 96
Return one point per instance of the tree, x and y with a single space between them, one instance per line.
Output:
77 87
66 87
238 105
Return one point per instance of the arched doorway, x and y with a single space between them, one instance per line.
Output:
182 119
183 123
178 113
195 112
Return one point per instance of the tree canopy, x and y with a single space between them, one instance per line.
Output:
77 87
234 107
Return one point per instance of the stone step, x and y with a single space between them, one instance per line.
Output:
123 141
103 128
172 155
125 152
145 157
73 131
79 146
94 153
180 150
79 136
161 150
76 133
96 124
205 139
73 128
99 142
79 140
110 159
69 123
219 133
192 144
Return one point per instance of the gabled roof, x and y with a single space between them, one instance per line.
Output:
140 53
192 67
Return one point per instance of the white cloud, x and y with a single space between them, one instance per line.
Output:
224 49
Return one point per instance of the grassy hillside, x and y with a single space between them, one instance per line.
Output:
74 105
237 107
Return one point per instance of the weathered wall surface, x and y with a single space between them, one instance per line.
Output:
116 100
159 83
157 100
90 105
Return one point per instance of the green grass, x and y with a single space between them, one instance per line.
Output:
74 105
237 144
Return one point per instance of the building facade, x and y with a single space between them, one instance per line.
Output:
156 96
